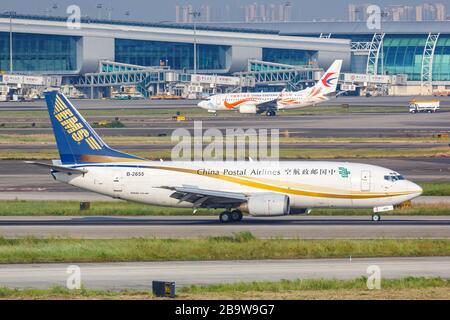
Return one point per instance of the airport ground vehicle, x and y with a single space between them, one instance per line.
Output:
259 188
3 93
416 106
126 96
271 102
442 93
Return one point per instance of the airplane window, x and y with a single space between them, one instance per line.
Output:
394 178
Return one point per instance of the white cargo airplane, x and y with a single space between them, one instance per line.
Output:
259 188
271 102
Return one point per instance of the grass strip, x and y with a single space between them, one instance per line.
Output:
404 288
241 246
284 138
318 284
122 208
435 188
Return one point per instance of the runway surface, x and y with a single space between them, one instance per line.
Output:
106 104
302 227
139 275
167 104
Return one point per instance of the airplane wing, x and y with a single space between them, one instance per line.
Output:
267 105
58 168
203 198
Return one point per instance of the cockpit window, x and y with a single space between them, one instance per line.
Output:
394 177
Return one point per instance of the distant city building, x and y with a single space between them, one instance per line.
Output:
183 13
400 13
441 12
357 12
431 12
422 12
256 12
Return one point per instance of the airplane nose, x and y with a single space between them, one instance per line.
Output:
415 188
203 104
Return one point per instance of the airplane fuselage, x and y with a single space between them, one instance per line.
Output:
308 184
283 100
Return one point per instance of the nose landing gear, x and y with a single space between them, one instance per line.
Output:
230 216
376 217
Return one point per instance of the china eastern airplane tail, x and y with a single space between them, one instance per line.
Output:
76 140
328 83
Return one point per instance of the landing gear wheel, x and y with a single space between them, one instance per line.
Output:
236 215
271 113
225 217
376 217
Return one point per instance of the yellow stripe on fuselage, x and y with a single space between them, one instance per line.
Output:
247 181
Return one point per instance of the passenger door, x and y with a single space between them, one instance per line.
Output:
365 180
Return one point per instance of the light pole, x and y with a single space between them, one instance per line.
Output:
11 14
194 15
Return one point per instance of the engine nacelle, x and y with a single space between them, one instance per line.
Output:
270 204
248 108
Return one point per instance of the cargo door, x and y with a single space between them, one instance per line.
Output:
365 180
117 181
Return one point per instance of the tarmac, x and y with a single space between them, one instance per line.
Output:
139 275
288 227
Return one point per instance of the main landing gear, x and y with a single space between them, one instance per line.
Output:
230 216
376 217
271 113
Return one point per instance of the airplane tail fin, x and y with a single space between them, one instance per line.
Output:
77 142
327 84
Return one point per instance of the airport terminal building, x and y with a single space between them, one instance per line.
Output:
47 45
105 53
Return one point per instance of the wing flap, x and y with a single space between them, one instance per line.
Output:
203 198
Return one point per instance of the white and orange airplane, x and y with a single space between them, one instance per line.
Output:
271 102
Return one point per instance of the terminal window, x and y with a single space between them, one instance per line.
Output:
289 56
403 55
175 54
39 53
441 60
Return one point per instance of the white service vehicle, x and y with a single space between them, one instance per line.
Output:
424 106
4 93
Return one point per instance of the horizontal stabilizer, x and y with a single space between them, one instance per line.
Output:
58 168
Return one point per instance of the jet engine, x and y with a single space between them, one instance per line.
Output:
270 204
248 108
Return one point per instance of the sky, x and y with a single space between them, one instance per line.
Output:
157 11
